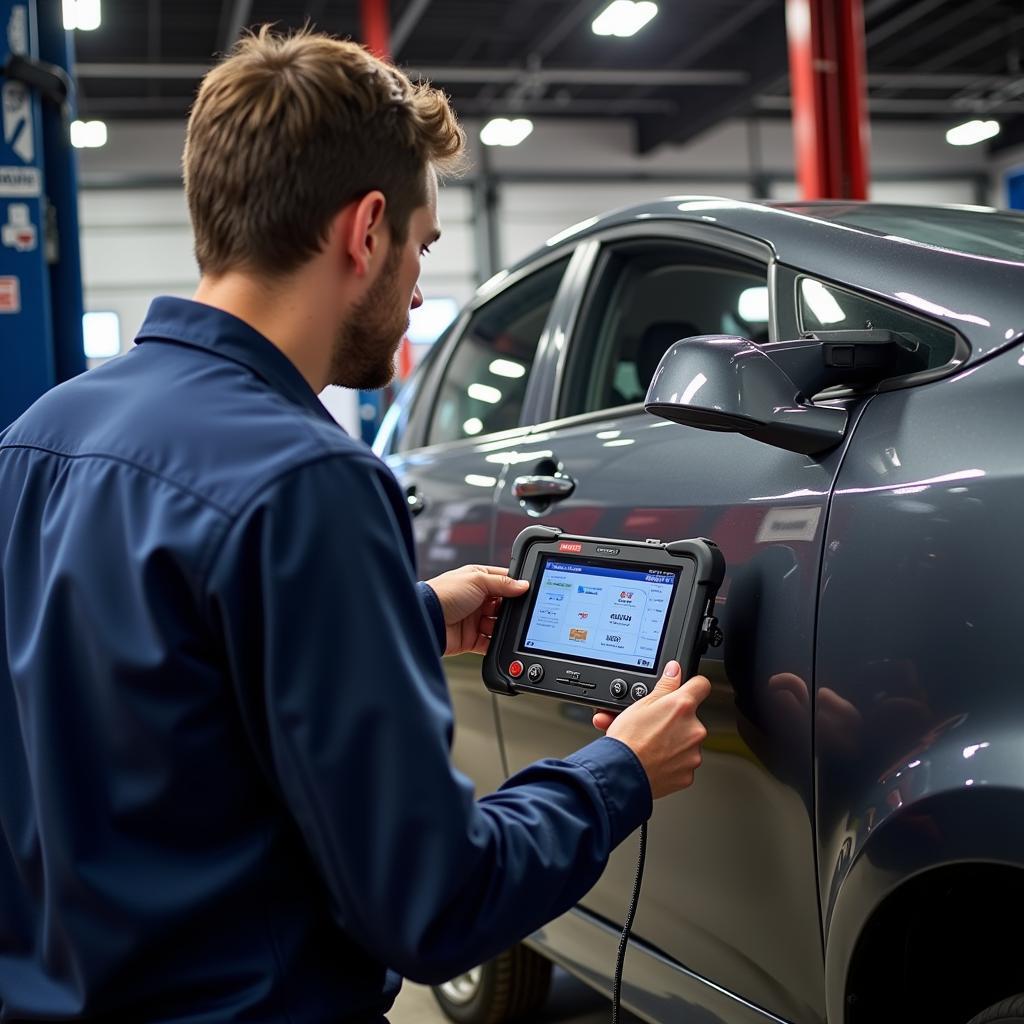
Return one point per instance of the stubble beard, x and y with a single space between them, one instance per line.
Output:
366 345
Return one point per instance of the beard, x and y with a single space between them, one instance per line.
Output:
366 345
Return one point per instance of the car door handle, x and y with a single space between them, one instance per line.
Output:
414 501
543 488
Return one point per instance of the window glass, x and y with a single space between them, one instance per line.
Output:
647 296
484 382
827 308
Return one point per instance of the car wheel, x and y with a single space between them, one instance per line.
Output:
510 987
1009 1011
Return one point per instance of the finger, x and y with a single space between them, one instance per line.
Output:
696 689
603 719
496 585
669 681
494 570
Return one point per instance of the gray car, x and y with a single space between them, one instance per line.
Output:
852 850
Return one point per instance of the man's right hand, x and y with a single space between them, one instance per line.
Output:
663 730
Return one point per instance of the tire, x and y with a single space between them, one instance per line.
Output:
512 986
1009 1011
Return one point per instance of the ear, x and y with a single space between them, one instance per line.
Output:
361 232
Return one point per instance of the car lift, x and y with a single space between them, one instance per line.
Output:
40 267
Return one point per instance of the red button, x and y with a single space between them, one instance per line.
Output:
515 670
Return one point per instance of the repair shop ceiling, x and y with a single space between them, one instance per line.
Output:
697 63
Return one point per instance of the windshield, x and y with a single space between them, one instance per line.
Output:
974 230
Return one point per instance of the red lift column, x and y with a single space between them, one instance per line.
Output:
828 85
376 28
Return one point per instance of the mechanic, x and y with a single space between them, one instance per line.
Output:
224 725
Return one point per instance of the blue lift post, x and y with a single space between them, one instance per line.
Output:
40 270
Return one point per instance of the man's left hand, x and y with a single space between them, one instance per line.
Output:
470 598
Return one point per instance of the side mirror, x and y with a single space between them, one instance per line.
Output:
722 382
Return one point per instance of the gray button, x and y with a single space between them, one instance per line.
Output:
535 673
618 688
639 690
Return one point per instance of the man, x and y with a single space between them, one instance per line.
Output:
224 727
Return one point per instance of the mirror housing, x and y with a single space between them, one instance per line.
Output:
727 383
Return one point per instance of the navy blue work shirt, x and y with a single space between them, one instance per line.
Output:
225 785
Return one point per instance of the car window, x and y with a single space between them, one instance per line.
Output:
827 308
646 297
484 382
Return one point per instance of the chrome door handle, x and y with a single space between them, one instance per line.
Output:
543 488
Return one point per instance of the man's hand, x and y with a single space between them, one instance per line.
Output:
470 598
663 730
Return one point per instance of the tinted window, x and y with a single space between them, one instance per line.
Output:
485 380
646 297
827 308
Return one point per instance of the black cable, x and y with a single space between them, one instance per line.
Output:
624 939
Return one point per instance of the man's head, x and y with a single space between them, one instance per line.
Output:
306 150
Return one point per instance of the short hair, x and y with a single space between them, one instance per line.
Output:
287 130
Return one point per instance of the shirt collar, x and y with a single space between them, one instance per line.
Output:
206 327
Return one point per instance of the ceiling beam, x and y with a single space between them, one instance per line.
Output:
406 24
238 15
454 75
762 52
888 105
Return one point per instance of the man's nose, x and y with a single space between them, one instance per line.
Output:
417 298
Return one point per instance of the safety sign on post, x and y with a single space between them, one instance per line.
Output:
26 329
40 269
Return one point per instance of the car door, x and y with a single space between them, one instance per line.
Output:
729 888
466 408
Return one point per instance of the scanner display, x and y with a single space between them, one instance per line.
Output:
600 612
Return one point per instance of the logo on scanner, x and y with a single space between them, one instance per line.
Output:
577 634
569 545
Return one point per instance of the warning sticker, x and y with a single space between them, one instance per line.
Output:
17 182
19 233
17 104
10 295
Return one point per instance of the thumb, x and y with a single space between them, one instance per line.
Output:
669 681
503 586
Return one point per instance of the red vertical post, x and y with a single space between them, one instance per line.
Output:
376 27
828 79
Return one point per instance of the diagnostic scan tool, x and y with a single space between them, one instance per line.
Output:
602 617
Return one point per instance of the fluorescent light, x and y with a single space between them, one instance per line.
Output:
971 132
753 305
88 134
624 18
473 426
102 333
500 131
507 368
84 15
484 393
820 299
478 480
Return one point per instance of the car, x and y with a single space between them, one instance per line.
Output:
852 849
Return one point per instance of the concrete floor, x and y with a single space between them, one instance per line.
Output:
570 1002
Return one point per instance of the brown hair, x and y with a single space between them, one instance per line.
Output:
287 130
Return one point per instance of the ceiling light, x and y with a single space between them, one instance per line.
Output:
500 131
507 368
971 132
473 425
821 301
484 393
88 134
81 14
624 18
